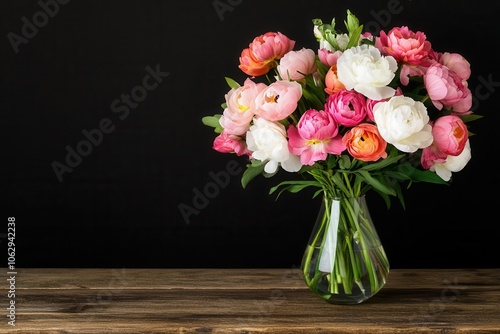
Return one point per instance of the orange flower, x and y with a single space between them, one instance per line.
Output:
264 51
333 85
364 142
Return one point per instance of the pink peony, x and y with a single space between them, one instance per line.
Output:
364 142
456 63
295 64
404 45
277 101
447 89
315 136
240 107
450 134
347 107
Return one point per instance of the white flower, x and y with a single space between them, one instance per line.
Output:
267 141
404 123
365 70
453 163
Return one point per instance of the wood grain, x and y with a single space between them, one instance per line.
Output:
247 301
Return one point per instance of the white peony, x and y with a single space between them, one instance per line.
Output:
267 141
453 163
404 123
365 70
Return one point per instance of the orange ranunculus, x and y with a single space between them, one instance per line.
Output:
364 142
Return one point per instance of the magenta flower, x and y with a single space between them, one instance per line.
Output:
227 143
315 136
347 107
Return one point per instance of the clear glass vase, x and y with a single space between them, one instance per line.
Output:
344 261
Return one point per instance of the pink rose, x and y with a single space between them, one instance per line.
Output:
240 107
278 100
347 107
447 89
450 134
404 45
295 64
315 136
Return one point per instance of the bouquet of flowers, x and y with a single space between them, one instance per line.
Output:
360 113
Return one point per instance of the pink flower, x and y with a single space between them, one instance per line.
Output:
278 100
456 63
295 64
364 142
240 107
263 51
226 143
447 89
347 107
315 136
450 134
328 57
404 45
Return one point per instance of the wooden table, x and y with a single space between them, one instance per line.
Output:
245 301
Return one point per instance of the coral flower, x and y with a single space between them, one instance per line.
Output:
450 134
364 142
261 55
332 82
404 45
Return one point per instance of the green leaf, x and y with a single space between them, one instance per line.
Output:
382 163
417 175
470 117
293 186
213 121
344 162
376 183
251 172
232 83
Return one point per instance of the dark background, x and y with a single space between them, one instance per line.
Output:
119 207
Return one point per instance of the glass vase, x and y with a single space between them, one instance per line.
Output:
344 261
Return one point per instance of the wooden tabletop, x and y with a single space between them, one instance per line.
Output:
243 301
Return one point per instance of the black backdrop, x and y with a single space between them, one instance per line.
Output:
119 205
